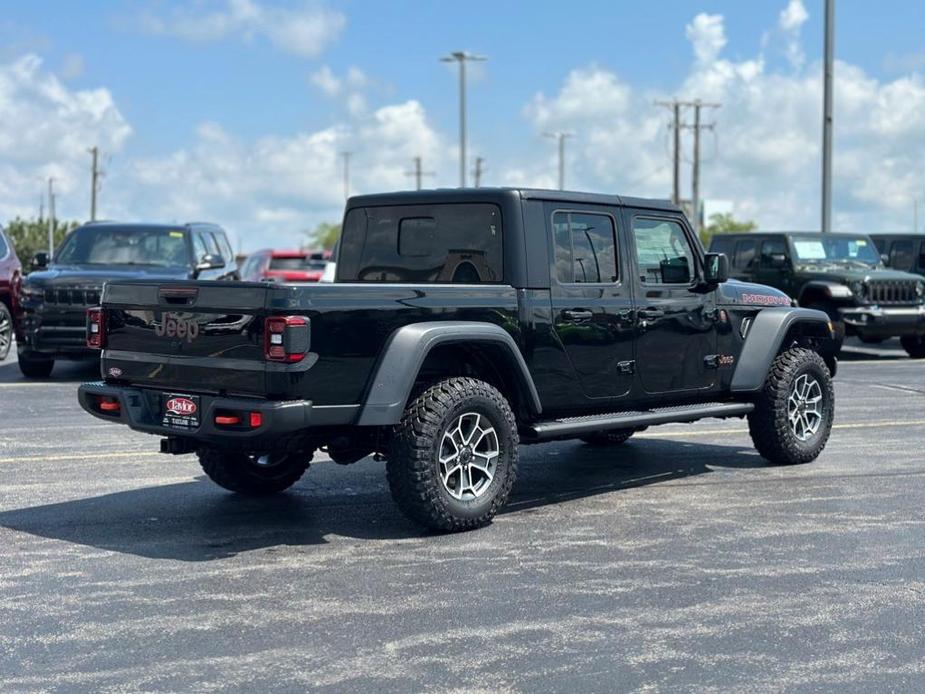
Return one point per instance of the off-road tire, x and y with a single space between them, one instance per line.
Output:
838 325
769 423
35 368
6 331
914 346
413 467
237 471
614 437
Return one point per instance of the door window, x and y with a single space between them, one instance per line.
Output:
586 251
199 247
663 253
745 253
901 257
770 248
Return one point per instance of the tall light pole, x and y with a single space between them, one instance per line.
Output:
94 180
827 116
51 216
462 58
346 156
561 137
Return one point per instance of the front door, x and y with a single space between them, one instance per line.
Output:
676 323
592 308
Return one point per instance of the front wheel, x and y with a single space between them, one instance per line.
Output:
914 345
252 474
793 416
453 457
35 367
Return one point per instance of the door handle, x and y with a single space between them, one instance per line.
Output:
647 314
577 314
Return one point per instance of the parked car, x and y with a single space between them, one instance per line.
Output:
841 274
270 265
904 252
10 278
574 316
57 293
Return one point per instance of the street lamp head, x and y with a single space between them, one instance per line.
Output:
460 56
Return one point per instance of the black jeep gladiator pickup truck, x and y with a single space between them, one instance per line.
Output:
461 324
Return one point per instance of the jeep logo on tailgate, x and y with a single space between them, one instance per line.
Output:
174 326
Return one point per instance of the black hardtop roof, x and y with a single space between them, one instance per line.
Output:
448 195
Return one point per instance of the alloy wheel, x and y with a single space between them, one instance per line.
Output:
469 454
804 407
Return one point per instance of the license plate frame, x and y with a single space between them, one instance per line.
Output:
181 411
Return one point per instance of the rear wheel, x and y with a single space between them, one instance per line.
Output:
453 457
253 474
608 438
793 416
6 331
33 366
914 345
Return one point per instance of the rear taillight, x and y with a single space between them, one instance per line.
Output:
96 328
285 338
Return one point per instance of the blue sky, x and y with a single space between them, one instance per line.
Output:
191 82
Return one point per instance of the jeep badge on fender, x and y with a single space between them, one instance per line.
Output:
171 326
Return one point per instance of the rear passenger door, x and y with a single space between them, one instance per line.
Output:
676 328
592 308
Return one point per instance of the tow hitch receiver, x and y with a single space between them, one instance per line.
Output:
175 445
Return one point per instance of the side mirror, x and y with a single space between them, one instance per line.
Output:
209 261
40 260
715 268
778 260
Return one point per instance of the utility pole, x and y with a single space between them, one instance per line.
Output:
561 137
41 206
51 216
418 173
478 171
95 174
346 156
675 107
462 57
827 116
697 127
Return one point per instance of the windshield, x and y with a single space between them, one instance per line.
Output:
837 248
298 263
113 245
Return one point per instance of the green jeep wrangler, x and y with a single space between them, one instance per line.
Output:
841 274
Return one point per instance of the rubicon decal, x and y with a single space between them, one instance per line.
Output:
175 326
766 299
181 406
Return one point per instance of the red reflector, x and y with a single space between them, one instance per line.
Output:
227 419
256 419
109 405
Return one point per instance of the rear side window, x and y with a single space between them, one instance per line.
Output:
771 248
745 253
663 253
901 256
586 250
454 243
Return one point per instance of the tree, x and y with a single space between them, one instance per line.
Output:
325 235
31 235
724 224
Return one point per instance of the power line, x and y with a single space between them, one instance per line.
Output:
418 173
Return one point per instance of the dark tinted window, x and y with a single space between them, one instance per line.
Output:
745 253
770 248
901 256
585 247
458 243
663 253
296 263
113 245
721 244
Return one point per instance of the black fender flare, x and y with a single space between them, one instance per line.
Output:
765 338
406 351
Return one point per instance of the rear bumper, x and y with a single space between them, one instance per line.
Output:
140 409
876 321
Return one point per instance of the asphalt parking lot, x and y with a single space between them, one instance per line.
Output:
680 560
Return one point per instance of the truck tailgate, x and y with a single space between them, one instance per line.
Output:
197 336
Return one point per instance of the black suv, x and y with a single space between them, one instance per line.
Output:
55 296
462 323
841 274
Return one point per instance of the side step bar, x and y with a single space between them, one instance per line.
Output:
577 426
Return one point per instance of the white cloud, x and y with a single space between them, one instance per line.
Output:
791 21
304 30
325 79
351 87
707 36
